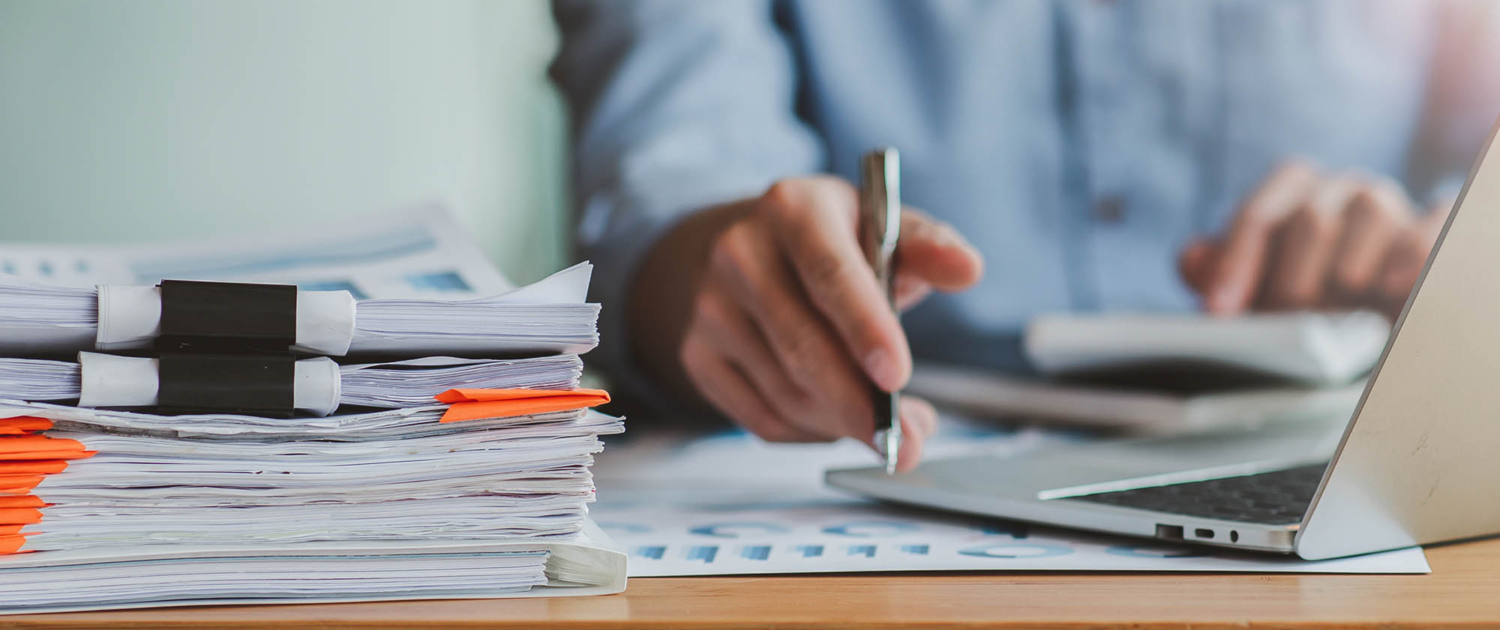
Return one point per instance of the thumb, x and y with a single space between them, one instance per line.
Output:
935 253
1196 265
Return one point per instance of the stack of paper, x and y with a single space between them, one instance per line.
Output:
410 383
386 504
550 316
423 475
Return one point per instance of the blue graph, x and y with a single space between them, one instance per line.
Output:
734 529
654 552
756 552
870 529
867 551
703 553
1014 530
1009 551
809 551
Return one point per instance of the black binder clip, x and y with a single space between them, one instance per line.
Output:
256 384
227 317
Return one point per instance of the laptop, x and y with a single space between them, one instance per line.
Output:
1418 461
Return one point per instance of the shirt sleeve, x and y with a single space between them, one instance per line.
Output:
677 105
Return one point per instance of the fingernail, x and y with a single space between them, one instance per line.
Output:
882 369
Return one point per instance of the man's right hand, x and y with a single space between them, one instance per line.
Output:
783 325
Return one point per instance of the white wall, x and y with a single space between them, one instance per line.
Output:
163 119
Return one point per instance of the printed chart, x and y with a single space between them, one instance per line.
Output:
832 535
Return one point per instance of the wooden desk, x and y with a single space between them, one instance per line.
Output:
1463 590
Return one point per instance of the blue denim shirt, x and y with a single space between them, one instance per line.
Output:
1078 144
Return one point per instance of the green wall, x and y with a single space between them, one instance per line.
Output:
165 119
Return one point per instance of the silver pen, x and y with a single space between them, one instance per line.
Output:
880 219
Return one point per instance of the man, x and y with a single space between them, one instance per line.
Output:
1072 155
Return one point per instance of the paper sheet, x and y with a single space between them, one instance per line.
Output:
409 254
587 563
731 505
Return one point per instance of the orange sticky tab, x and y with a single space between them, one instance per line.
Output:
20 516
478 404
11 544
18 484
27 447
21 425
22 501
33 467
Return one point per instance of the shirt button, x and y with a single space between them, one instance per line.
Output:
1109 210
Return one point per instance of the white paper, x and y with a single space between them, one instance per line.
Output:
423 288
1311 348
587 563
102 380
1034 400
420 252
731 505
821 533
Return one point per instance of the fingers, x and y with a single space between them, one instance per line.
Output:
1373 219
1232 283
1197 264
788 326
737 338
932 255
1408 255
919 422
731 393
816 223
1305 246
1305 240
750 268
937 254
910 291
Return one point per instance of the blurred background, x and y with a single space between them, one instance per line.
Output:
165 120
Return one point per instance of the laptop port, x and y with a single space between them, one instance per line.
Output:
1169 532
1203 532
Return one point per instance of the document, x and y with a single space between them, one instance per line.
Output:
108 509
548 316
1138 410
413 253
1310 349
247 471
321 386
586 563
732 505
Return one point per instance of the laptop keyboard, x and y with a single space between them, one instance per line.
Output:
1273 498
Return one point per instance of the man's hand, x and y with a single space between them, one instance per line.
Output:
783 324
1310 240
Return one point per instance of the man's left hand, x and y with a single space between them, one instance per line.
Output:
1306 239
